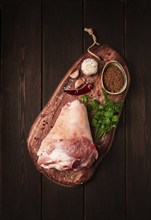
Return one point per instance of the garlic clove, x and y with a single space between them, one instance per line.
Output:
75 74
79 83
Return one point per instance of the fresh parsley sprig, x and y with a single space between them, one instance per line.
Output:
103 117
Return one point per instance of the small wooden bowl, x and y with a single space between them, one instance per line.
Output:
115 63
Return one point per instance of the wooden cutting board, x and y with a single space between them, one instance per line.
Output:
47 117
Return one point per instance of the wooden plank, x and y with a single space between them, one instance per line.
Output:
21 102
62 45
105 194
138 117
0 118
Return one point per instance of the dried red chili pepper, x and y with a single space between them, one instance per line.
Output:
85 89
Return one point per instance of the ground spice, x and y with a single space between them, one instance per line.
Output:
113 79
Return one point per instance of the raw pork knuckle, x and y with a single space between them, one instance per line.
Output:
69 143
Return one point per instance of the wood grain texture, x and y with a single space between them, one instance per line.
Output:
111 194
62 45
49 114
107 18
21 80
138 117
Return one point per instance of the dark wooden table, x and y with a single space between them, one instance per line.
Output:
40 40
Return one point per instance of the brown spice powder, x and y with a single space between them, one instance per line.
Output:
113 79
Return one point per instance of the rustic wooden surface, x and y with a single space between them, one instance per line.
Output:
49 114
40 40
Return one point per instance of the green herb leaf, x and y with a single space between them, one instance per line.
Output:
103 117
84 98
